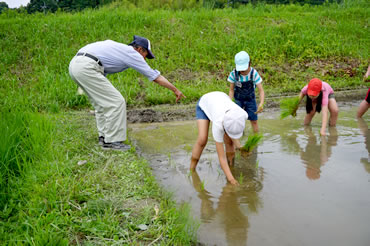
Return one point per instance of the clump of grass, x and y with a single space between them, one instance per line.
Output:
288 107
26 138
252 142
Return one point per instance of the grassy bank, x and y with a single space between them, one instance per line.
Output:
66 190
288 45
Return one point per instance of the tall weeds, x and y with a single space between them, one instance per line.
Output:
26 139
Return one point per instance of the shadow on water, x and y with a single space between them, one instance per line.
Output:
296 187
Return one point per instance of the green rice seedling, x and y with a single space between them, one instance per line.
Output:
288 107
252 142
241 178
188 175
202 184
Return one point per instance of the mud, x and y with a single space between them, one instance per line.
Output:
161 113
180 112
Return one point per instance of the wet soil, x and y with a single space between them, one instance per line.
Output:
180 112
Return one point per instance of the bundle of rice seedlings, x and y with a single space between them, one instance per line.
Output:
288 107
252 142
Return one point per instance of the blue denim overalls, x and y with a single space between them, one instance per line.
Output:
244 91
244 95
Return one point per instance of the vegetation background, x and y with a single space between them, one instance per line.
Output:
52 187
77 5
288 45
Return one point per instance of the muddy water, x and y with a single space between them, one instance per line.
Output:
297 188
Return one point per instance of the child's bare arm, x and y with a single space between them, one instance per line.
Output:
223 162
294 113
324 112
262 97
231 91
301 95
367 74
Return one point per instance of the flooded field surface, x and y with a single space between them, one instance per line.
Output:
297 188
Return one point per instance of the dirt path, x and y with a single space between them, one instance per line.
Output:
161 113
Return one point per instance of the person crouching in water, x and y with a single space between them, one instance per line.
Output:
228 123
320 97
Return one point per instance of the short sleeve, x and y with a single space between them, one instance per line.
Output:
218 132
231 77
256 78
304 90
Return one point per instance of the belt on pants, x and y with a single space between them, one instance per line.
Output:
90 56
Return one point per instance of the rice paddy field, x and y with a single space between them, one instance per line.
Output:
58 186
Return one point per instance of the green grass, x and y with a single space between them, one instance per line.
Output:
252 142
288 45
288 106
25 137
51 198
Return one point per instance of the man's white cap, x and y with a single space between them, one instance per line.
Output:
242 61
234 122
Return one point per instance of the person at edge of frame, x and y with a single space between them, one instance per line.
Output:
365 104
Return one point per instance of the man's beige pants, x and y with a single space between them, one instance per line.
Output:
109 104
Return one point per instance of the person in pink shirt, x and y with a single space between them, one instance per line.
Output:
365 104
320 98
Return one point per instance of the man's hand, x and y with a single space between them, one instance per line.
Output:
162 81
179 95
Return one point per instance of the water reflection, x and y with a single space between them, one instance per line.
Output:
366 133
207 211
234 204
316 154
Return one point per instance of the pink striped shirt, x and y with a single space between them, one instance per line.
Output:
326 91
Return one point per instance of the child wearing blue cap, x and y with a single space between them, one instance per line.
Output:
243 81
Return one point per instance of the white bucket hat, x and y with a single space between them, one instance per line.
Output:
234 122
